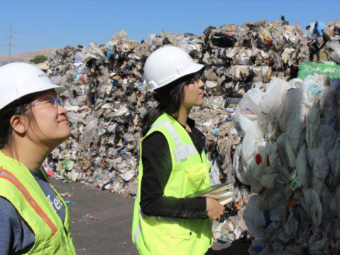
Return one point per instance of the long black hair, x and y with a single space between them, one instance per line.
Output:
170 98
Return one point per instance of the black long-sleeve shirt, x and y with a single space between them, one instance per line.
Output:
157 168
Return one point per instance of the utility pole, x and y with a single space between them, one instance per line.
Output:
10 45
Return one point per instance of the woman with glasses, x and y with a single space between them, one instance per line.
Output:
33 217
173 164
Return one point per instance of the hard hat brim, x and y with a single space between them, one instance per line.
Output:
46 87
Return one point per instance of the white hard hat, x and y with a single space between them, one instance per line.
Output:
20 79
166 65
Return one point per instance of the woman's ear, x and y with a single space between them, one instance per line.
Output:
18 124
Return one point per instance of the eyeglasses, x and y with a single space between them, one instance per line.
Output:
47 102
197 76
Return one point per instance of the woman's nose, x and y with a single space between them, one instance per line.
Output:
61 110
201 84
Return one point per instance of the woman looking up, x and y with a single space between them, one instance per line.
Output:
173 164
33 217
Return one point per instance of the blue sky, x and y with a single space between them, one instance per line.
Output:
44 24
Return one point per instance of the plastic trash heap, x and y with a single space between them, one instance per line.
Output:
107 98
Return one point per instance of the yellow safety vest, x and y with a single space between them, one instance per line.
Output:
19 187
190 173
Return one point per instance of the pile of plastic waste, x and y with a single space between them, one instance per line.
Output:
290 156
107 97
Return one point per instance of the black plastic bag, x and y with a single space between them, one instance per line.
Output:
166 41
223 40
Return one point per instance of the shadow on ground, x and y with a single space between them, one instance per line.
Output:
237 248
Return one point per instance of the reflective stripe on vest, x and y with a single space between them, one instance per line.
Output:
137 233
4 174
182 152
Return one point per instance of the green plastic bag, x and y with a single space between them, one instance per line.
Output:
67 165
310 68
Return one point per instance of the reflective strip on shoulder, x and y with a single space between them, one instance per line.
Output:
4 174
182 152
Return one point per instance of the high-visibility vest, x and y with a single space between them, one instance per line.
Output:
18 186
190 173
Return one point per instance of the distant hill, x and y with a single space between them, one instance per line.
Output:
25 56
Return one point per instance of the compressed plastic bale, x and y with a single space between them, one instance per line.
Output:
317 160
